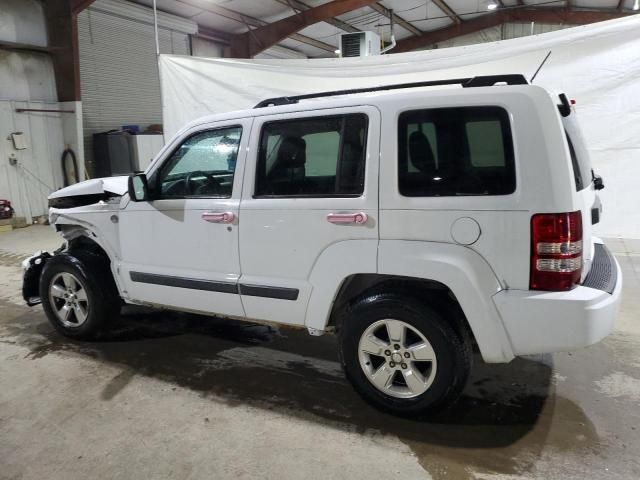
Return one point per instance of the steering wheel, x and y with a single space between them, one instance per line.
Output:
212 183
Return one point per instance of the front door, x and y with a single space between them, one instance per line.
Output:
180 249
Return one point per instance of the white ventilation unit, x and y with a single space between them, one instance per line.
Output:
359 44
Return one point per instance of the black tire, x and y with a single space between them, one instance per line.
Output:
453 353
94 276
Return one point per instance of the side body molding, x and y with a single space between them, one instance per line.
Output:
468 276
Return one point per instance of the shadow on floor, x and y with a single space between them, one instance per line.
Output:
505 418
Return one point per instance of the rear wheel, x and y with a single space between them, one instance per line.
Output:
78 294
403 356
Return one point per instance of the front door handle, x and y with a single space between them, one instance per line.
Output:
218 217
359 218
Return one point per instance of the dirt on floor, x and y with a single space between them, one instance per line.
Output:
168 395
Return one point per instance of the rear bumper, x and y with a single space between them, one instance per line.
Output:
544 322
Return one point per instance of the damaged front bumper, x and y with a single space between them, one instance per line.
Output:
31 278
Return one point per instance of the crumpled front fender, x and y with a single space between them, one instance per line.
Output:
31 278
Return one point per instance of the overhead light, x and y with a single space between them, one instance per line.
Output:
337 51
492 6
636 5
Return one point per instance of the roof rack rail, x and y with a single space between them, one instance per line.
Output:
480 81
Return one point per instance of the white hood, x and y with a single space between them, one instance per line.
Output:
96 186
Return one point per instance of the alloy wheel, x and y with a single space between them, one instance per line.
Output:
68 297
397 359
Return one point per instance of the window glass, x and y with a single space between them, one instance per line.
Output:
322 153
428 129
486 148
455 151
577 174
579 153
320 156
203 165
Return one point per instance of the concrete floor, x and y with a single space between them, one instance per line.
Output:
181 396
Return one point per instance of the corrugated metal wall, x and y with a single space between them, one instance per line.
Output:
37 169
118 67
29 175
203 47
502 32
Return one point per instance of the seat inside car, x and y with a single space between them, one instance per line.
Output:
288 172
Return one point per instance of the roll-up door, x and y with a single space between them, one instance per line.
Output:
118 66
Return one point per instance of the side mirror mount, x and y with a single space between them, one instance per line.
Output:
138 187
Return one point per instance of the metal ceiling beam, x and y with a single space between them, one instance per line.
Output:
378 7
248 44
297 5
448 11
213 34
455 30
561 15
62 33
543 15
248 21
79 5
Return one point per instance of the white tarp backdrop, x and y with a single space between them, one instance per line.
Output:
598 65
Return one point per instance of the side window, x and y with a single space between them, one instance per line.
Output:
320 156
203 166
455 151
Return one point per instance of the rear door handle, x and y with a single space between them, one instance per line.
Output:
218 217
358 218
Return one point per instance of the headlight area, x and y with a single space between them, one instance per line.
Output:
53 217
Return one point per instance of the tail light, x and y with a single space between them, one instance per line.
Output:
556 251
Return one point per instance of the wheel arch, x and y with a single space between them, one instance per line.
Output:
80 238
442 270
431 292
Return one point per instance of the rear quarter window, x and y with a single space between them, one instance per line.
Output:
455 152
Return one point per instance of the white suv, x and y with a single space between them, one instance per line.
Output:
416 221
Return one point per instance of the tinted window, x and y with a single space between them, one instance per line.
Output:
455 151
580 160
577 175
321 156
203 165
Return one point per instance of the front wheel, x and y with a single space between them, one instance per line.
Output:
78 294
403 356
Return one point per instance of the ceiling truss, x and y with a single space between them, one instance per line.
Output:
260 35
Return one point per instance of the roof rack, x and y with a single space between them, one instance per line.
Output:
480 81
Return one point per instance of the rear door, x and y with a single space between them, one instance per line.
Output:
311 182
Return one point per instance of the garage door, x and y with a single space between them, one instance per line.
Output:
118 67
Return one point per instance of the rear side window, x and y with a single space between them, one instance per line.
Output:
312 157
455 151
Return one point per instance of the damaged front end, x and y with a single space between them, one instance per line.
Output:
88 192
31 278
87 210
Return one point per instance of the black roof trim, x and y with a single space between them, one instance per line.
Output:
480 81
